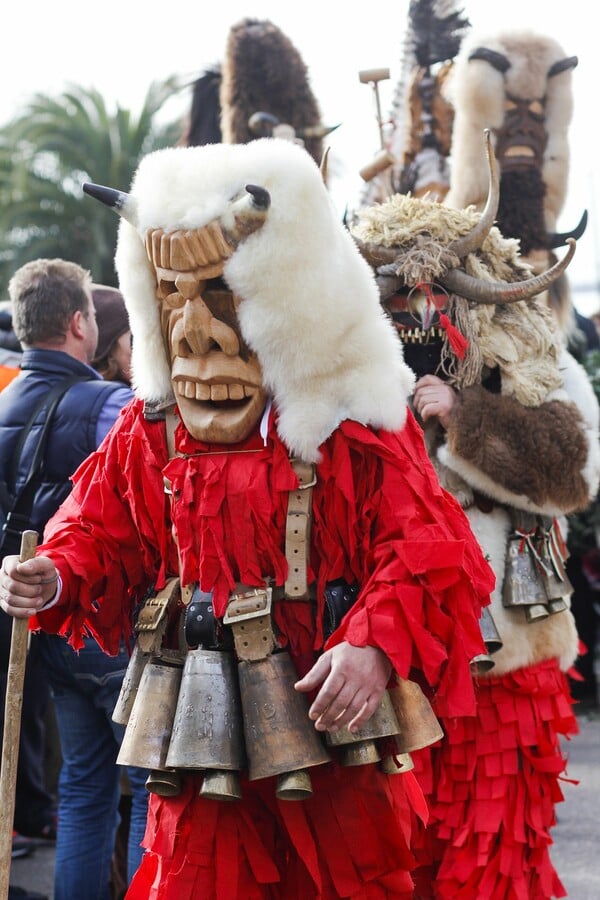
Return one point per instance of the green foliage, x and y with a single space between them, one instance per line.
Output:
48 151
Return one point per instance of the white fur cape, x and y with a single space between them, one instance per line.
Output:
310 307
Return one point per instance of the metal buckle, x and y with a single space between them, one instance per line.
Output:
247 605
154 609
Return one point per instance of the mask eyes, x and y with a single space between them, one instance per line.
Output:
169 295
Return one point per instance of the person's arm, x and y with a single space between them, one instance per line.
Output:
422 584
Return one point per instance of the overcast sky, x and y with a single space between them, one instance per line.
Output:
119 47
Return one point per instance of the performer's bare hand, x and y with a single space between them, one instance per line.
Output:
352 681
433 397
26 587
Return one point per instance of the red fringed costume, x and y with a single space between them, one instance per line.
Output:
379 518
497 782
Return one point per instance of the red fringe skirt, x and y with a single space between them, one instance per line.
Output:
349 839
492 785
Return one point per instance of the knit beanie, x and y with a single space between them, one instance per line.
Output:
111 316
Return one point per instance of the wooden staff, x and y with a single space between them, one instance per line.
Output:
12 726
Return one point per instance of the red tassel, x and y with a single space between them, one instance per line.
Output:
458 342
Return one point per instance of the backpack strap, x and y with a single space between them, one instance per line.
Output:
18 517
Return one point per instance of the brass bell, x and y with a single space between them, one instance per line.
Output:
164 782
523 585
207 728
397 764
359 748
553 572
481 663
130 685
219 784
418 724
536 612
489 632
294 785
280 737
557 605
148 732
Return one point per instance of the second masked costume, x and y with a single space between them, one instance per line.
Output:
519 451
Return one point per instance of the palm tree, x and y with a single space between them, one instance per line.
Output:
48 151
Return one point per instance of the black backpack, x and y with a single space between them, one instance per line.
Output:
16 507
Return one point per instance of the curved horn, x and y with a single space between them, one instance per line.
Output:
569 62
375 254
316 131
474 239
262 124
323 165
555 240
459 282
246 215
499 61
122 203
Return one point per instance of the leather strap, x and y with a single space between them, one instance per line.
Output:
297 535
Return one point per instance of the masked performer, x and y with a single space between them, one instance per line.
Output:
297 481
520 85
261 89
511 425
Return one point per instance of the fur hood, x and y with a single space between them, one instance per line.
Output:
310 306
478 92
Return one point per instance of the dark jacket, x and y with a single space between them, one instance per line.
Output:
72 436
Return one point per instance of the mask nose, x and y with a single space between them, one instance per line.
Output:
202 330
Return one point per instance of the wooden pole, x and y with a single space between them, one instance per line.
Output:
12 726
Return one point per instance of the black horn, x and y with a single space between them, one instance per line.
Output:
499 61
121 202
560 239
569 62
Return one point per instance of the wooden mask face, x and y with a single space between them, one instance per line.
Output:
217 379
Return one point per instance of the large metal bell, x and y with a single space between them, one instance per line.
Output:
523 585
280 737
130 685
148 732
207 729
358 748
418 724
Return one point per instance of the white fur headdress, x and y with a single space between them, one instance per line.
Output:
310 307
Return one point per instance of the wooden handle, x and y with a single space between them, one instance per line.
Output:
12 725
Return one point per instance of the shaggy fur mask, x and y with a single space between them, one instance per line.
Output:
309 303
478 92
